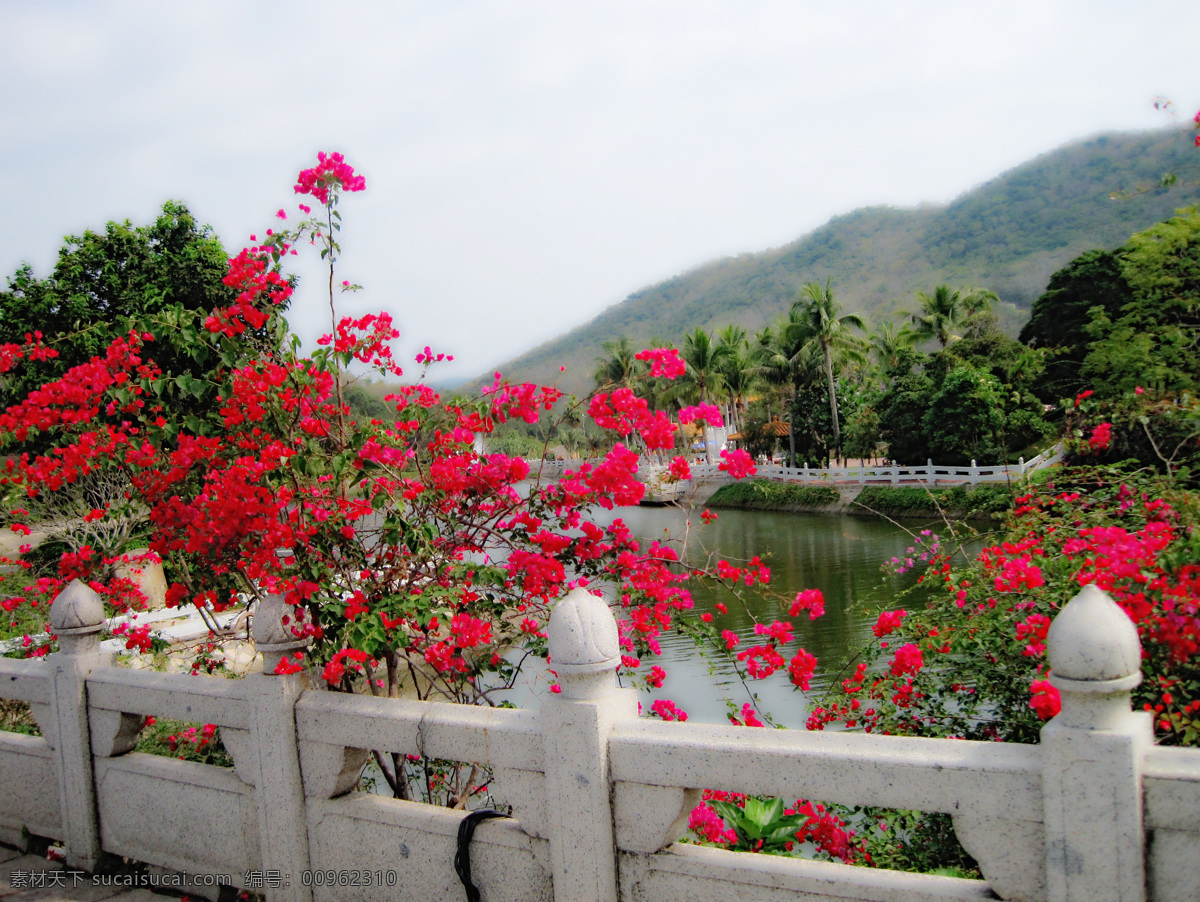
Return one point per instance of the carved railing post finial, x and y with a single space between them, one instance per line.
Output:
77 617
585 650
1095 660
279 630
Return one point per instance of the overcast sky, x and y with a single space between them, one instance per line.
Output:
528 164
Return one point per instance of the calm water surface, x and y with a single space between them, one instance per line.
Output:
841 556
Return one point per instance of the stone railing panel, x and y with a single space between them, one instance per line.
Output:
499 736
28 789
649 818
195 699
25 681
1171 785
178 814
414 845
942 775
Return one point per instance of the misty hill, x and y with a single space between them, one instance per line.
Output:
1008 235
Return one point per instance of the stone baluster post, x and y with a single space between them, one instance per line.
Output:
77 617
576 724
974 473
283 834
1092 756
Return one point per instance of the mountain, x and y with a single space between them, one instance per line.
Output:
1008 235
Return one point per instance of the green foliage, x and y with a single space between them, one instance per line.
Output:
17 717
162 278
762 494
914 841
963 419
902 411
760 826
1152 343
1060 318
1158 431
955 501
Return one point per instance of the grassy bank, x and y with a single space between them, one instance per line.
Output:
959 502
762 494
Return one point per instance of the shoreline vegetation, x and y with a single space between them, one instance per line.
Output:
955 502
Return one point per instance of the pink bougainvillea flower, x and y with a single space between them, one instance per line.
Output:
811 600
1044 699
908 659
887 622
802 667
737 464
664 362
1101 437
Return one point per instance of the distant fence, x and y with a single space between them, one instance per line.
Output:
599 796
891 474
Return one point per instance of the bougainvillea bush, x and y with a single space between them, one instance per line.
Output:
417 561
965 656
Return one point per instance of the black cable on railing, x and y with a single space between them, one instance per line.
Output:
462 858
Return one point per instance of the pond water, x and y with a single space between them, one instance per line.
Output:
839 555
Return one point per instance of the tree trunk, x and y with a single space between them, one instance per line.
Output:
837 432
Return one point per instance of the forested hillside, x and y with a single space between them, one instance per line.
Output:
1008 235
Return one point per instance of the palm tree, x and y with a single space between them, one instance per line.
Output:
784 356
978 300
832 333
736 371
703 379
888 345
620 368
940 312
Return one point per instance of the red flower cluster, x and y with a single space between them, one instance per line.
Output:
811 600
737 463
664 362
888 622
1101 437
331 172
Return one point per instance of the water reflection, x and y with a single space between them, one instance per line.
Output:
841 556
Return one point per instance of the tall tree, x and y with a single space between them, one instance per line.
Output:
162 278
831 332
736 371
1155 340
939 314
891 348
1060 317
703 381
785 357
619 367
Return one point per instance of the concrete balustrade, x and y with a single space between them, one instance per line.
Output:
599 796
930 474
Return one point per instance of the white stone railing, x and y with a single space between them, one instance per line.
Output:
599 796
894 474
890 474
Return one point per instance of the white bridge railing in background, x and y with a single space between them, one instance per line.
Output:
890 474
599 796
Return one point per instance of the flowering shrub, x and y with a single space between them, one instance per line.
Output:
414 561
970 660
966 657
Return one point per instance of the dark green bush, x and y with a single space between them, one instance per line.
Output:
915 501
761 494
